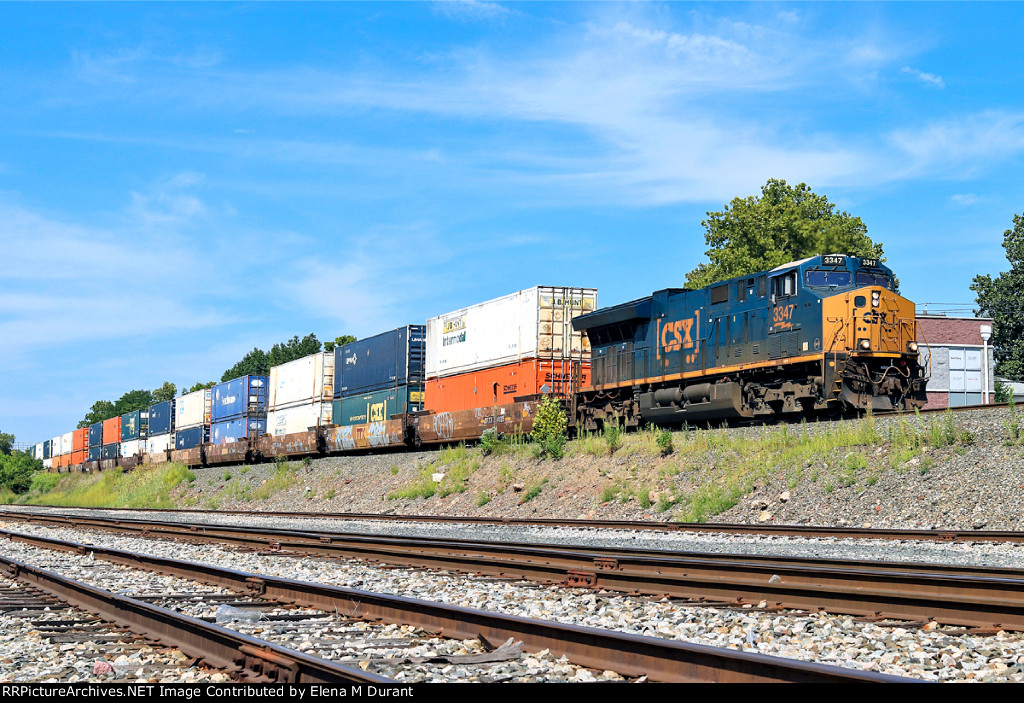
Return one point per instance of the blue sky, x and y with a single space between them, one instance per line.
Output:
182 182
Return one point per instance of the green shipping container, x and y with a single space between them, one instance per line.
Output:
377 406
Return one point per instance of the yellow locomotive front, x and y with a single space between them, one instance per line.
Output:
870 342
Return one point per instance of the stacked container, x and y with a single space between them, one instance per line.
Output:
238 409
379 376
522 344
134 430
192 419
300 394
161 424
95 441
80 446
47 456
111 438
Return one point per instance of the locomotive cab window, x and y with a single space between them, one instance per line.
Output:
870 278
817 278
785 285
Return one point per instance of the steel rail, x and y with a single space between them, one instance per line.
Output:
629 655
805 531
246 657
966 596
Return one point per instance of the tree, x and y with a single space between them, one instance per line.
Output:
101 410
1002 299
338 342
165 392
258 362
17 470
198 386
785 224
133 400
6 442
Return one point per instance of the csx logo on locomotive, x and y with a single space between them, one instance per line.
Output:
678 334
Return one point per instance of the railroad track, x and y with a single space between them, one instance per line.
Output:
629 655
804 531
986 598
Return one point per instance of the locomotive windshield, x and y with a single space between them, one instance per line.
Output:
816 278
874 278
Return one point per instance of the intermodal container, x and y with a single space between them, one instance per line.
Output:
245 396
96 435
134 425
47 449
80 440
503 384
191 437
161 418
532 323
306 380
192 409
159 443
94 452
377 406
109 451
132 447
36 451
79 457
67 442
237 429
112 431
386 360
299 418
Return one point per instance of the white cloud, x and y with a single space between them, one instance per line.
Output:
929 78
471 9
960 147
964 199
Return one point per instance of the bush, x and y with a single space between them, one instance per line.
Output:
550 427
665 442
613 437
17 470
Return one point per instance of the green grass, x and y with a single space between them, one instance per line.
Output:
141 488
483 499
533 490
281 478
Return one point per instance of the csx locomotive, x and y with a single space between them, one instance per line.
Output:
820 335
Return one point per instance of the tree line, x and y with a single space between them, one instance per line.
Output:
254 363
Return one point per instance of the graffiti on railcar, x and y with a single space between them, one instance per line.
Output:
444 425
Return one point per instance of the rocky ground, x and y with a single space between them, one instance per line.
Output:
956 470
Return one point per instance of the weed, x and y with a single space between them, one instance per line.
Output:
482 499
227 475
330 494
307 461
533 490
394 470
609 492
664 442
612 437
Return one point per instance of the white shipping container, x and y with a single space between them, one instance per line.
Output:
298 418
193 409
159 443
304 380
56 446
67 441
533 323
39 451
47 463
133 447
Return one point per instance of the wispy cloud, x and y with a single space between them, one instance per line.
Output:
471 9
929 78
960 147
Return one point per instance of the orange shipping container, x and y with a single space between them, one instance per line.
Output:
78 457
80 440
112 430
502 384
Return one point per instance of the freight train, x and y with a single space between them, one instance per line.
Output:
819 336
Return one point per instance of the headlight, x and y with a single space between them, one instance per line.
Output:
864 344
912 346
875 298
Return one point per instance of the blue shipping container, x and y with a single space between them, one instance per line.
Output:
192 437
237 429
161 418
47 447
134 425
109 451
244 396
94 452
96 435
387 360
